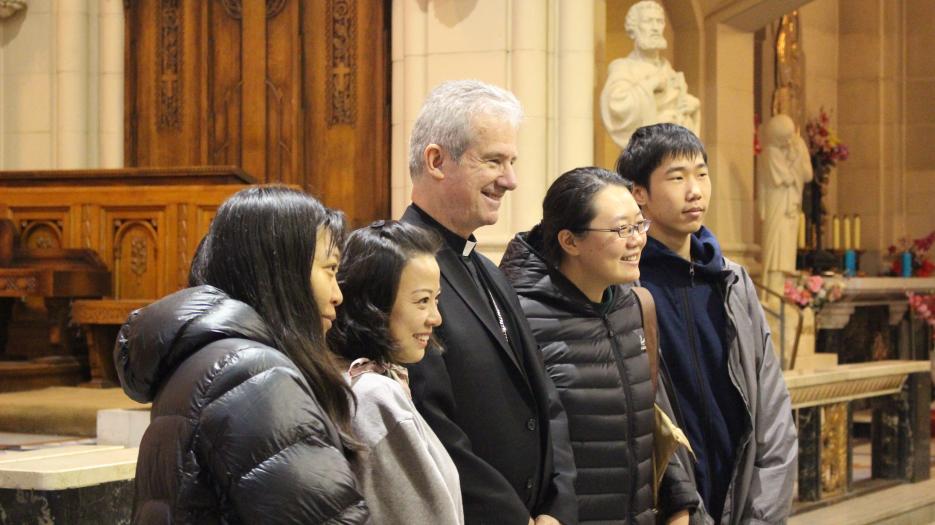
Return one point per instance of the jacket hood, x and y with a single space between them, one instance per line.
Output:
523 263
706 257
157 338
532 276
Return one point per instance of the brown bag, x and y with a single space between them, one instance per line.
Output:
666 435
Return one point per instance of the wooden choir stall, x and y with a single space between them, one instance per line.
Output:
79 250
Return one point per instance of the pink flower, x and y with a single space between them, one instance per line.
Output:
813 283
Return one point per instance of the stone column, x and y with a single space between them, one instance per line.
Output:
409 57
529 76
110 94
575 84
727 111
809 423
900 431
71 84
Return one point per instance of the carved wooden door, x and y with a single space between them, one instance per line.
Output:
292 91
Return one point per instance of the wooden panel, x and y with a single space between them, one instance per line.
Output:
145 235
347 101
224 70
284 112
292 91
165 114
136 251
41 227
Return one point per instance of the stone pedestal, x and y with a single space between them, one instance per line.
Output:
69 484
805 356
901 392
104 504
901 431
869 322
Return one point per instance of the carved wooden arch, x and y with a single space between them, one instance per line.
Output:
136 274
33 231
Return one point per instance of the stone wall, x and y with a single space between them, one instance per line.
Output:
61 85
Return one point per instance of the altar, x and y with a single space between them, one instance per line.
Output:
869 323
900 395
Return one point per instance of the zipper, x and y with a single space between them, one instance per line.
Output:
693 350
691 273
631 433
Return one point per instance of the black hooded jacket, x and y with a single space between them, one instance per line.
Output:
236 435
597 360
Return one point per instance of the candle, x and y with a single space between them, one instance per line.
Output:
847 232
907 264
801 230
836 233
850 263
856 232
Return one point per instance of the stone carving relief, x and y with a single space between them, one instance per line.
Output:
9 8
643 88
342 43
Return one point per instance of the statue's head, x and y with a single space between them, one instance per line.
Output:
779 130
644 24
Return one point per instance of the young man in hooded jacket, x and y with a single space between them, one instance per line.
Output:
730 395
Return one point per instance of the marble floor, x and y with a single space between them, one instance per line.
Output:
912 504
14 441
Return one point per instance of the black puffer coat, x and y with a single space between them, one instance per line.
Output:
236 433
600 368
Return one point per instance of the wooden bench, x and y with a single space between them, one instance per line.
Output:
100 321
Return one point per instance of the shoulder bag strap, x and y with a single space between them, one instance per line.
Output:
650 331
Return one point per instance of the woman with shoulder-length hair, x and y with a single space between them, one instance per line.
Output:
249 408
574 273
391 284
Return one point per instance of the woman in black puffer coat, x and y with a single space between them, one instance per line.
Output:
573 274
248 408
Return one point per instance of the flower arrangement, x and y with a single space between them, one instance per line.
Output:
924 307
813 291
824 147
919 248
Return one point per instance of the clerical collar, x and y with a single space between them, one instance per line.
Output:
457 243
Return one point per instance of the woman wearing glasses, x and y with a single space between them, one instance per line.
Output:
574 273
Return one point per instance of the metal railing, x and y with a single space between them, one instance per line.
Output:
781 315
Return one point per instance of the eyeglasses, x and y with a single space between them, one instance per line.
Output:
627 230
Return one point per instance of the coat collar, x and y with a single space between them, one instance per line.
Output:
459 279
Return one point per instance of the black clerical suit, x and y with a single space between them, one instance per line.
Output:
488 398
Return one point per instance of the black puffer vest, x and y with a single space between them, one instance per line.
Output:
598 362
237 435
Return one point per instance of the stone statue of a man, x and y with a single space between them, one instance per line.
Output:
642 88
783 169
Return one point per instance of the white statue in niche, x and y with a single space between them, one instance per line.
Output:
642 88
783 169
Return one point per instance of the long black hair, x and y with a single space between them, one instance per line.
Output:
569 205
259 250
371 266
